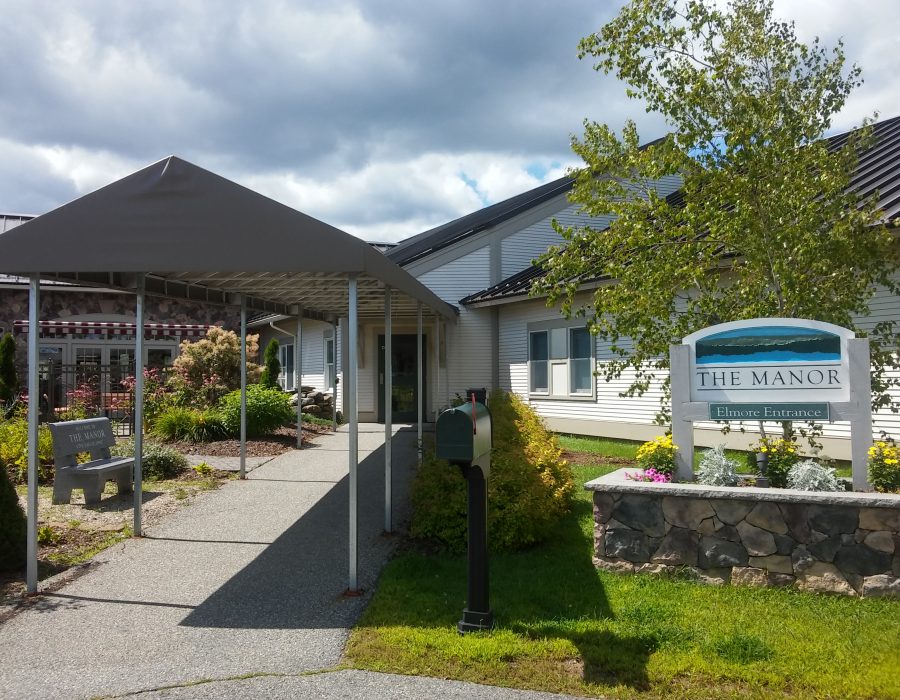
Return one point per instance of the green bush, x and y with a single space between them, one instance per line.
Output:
174 423
159 461
12 525
267 409
14 450
530 485
272 366
190 424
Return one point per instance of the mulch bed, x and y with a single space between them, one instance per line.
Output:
591 459
279 442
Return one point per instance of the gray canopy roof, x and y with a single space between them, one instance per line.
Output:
199 236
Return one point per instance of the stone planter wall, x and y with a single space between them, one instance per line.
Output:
846 543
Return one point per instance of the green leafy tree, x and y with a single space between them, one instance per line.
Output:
766 223
271 366
9 382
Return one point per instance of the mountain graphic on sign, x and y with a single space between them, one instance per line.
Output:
768 344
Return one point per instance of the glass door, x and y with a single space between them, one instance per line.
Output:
405 378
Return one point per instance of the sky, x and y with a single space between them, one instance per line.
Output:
383 118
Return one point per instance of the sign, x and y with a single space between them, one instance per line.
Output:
769 411
769 360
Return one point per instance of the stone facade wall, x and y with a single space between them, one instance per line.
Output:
59 305
840 543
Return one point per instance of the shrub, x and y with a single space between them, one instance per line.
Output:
717 469
658 454
272 368
9 380
174 423
809 475
14 449
208 368
884 467
13 526
782 455
267 409
530 485
159 461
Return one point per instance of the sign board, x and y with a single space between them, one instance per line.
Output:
770 411
767 360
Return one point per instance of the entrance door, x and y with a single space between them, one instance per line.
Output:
405 378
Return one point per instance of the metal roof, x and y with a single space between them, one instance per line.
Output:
201 237
877 171
435 239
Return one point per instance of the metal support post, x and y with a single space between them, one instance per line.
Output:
34 402
243 470
388 409
419 382
139 407
298 376
352 375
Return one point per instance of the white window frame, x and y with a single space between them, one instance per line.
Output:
560 361
283 355
329 368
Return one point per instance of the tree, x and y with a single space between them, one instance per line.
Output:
272 366
766 223
9 382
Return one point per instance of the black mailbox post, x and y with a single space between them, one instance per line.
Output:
463 437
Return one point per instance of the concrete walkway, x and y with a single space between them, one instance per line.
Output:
247 580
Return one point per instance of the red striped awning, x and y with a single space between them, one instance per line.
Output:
111 330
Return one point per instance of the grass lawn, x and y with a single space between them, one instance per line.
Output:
563 626
627 449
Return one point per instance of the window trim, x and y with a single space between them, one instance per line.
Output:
282 377
568 395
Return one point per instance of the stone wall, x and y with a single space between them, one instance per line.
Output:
846 543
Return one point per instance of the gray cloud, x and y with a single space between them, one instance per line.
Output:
365 114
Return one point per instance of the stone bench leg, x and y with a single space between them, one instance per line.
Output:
123 481
62 490
92 489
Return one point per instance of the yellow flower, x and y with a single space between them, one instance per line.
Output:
762 449
890 461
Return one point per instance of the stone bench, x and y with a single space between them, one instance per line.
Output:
94 436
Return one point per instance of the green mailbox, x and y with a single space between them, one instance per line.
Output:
463 436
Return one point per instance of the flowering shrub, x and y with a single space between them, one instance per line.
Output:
83 401
717 469
156 397
209 368
649 475
782 455
809 475
884 466
658 454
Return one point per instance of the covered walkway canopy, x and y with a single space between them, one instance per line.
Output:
174 229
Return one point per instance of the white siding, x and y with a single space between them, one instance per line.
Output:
519 249
469 339
609 407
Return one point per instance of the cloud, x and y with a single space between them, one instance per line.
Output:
382 118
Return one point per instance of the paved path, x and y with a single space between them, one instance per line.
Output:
249 579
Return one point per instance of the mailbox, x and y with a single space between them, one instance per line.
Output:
462 436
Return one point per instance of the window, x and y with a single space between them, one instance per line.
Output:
286 379
328 369
560 361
